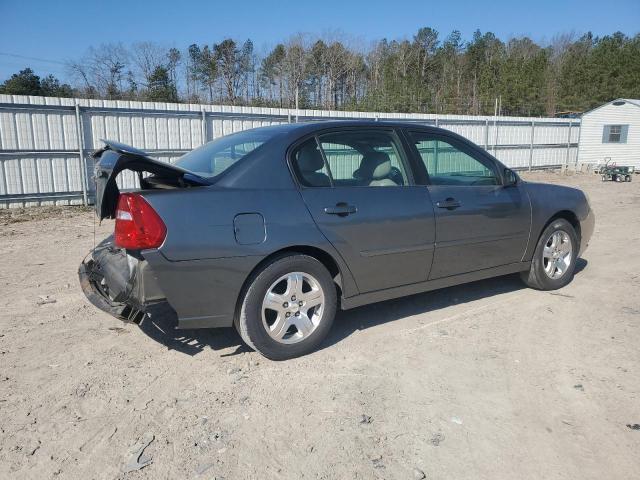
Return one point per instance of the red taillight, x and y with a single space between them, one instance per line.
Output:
138 226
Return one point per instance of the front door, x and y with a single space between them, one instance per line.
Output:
359 189
479 222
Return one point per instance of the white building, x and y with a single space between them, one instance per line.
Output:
611 132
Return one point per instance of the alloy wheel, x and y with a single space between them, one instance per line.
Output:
557 254
292 307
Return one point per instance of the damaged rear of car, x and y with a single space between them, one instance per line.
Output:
115 276
187 235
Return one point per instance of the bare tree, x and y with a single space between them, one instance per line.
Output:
227 55
147 57
174 57
295 67
103 69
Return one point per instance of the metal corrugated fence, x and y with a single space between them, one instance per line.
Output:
45 143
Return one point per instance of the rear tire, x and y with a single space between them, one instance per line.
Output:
288 307
554 261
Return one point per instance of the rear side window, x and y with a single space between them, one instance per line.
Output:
449 164
215 157
357 158
309 165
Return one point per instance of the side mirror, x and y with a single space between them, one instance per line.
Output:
510 178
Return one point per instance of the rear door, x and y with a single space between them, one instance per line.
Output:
359 188
479 222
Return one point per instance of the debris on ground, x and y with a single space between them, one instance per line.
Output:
456 420
365 419
377 462
203 468
138 460
437 439
118 330
45 299
82 390
579 387
34 448
418 474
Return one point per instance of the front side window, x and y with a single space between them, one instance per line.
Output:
448 164
615 133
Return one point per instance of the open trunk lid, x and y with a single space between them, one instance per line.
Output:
116 157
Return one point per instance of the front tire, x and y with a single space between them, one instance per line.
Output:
554 260
288 307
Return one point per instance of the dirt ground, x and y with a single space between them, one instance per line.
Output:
484 381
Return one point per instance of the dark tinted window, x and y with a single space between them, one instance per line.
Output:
448 164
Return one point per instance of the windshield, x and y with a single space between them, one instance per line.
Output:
215 157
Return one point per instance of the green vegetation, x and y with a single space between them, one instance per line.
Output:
26 82
426 73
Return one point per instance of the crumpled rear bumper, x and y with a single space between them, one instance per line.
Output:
91 289
117 283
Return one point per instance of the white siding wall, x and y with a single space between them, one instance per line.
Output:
592 150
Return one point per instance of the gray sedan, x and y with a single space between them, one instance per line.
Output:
272 230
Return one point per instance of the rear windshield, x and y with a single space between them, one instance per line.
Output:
215 157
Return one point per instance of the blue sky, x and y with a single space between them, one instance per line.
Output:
57 31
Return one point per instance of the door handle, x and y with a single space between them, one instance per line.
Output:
341 209
449 204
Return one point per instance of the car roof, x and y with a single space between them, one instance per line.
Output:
307 127
289 133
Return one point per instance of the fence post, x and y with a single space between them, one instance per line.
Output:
204 126
578 147
568 146
486 134
83 163
533 132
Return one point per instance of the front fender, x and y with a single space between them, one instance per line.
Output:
549 201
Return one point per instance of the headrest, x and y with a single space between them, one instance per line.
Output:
375 165
309 158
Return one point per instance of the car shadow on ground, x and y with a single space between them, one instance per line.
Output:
160 324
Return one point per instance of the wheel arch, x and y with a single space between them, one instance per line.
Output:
324 257
570 217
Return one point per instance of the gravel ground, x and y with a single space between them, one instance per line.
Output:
483 381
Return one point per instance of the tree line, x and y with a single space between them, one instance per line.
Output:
427 73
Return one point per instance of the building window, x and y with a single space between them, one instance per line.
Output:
615 133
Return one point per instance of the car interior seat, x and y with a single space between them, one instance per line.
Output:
310 161
375 170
